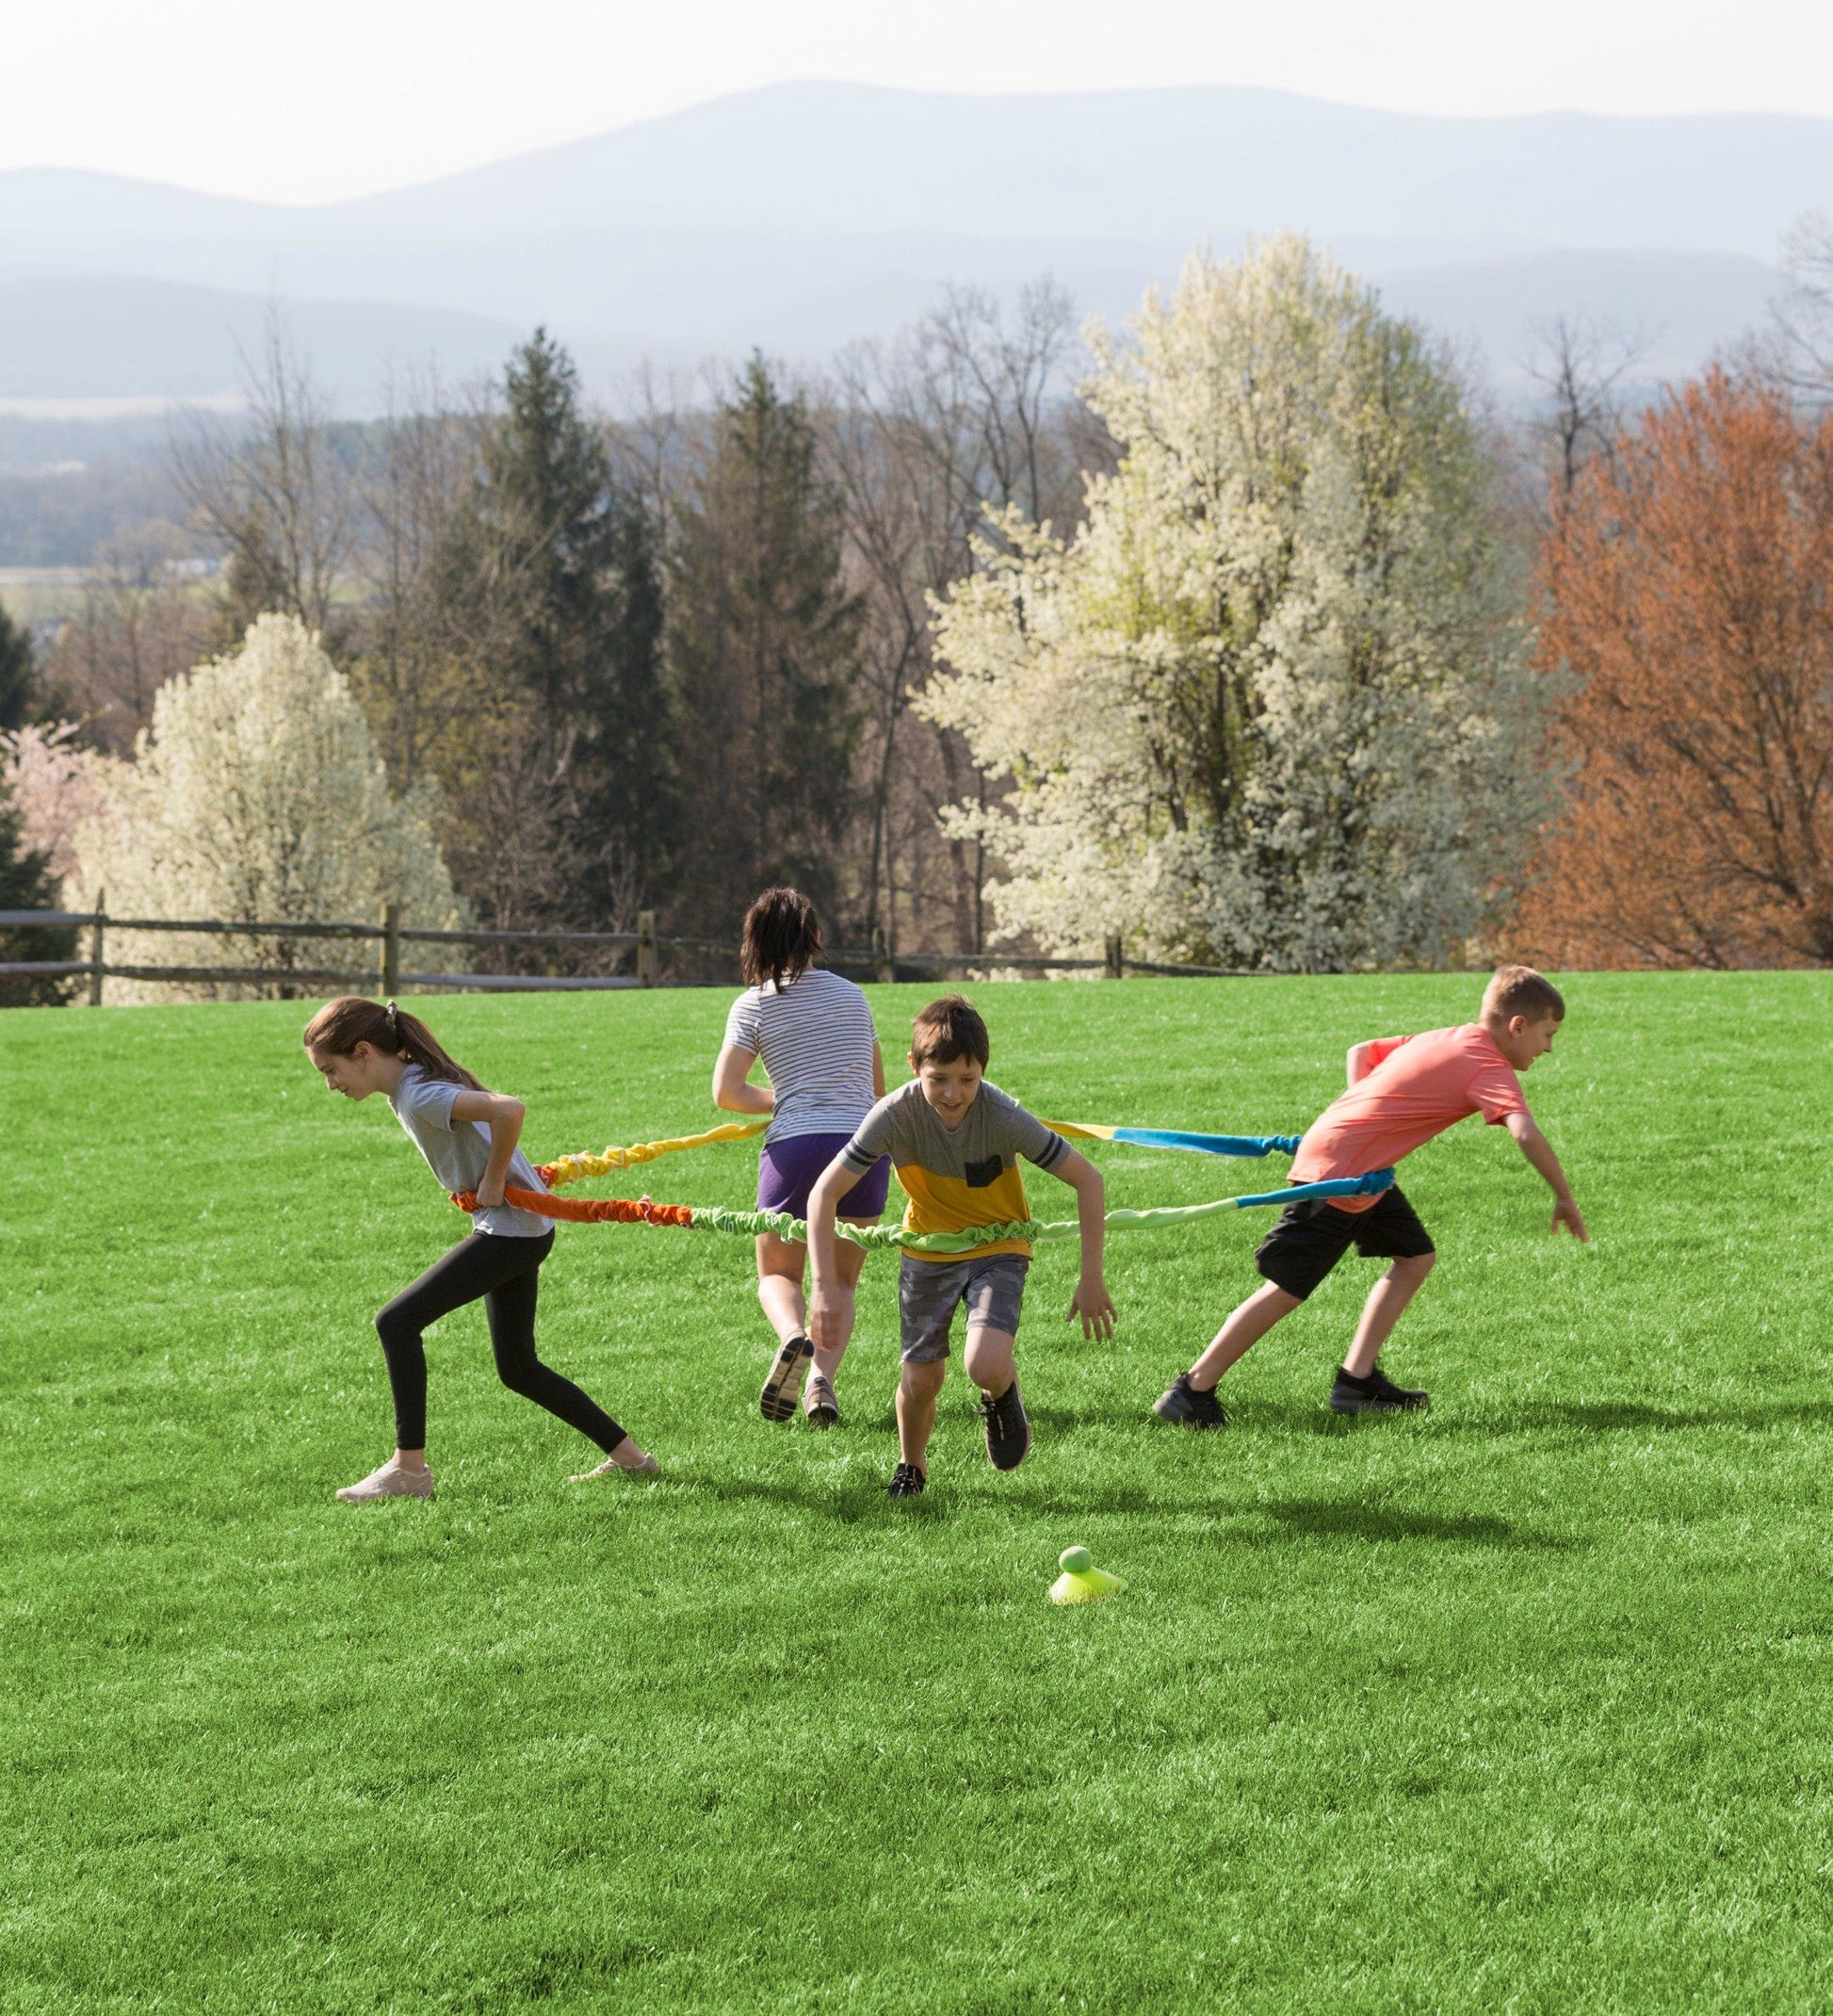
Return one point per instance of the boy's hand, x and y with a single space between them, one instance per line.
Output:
1566 1213
830 1315
1095 1306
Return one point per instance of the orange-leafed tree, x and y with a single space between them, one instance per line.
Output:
1688 583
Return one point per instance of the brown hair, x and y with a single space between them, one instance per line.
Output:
948 1031
339 1026
1519 990
782 936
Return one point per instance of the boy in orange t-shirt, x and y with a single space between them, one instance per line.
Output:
1402 1090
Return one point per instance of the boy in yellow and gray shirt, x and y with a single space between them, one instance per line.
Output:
955 1143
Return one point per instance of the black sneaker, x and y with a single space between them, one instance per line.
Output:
783 1389
1376 1394
1188 1403
907 1481
1008 1428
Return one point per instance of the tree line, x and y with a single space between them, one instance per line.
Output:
649 663
1251 635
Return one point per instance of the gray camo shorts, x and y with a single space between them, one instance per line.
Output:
928 1292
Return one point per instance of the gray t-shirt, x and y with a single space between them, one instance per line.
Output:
816 1039
960 1180
458 1151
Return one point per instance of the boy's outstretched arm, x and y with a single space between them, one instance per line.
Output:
830 1300
1539 1151
1091 1301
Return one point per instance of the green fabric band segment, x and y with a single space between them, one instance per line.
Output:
782 1226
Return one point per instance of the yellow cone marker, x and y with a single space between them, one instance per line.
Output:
1082 1581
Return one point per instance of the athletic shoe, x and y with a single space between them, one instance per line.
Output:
1188 1403
390 1481
783 1389
1008 1428
1376 1394
645 1465
907 1481
818 1404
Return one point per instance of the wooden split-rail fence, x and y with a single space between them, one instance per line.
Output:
391 936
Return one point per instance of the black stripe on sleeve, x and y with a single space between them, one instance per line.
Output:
1055 1149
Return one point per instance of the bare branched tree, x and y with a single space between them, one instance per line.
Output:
421 645
1003 379
1802 318
664 419
1580 364
971 410
146 616
273 491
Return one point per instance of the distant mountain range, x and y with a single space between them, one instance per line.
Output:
803 216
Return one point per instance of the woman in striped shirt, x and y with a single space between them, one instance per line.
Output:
813 1033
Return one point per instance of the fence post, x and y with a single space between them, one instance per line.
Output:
391 950
97 932
885 969
646 948
1116 959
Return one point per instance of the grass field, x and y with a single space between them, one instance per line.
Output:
1524 1705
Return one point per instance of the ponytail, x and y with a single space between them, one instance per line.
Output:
339 1026
782 936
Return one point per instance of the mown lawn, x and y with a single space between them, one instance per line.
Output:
1524 1705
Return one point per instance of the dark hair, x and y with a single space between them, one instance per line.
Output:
339 1026
948 1031
781 937
1519 990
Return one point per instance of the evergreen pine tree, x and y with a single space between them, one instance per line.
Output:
764 641
26 883
582 645
18 684
632 794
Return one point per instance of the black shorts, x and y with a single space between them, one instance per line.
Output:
1311 1237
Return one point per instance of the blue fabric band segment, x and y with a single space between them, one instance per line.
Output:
1166 1137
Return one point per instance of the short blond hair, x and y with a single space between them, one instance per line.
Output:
1519 990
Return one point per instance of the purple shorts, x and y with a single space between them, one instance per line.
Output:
791 1168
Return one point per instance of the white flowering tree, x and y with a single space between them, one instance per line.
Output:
258 793
1272 706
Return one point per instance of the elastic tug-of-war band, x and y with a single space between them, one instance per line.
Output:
713 1219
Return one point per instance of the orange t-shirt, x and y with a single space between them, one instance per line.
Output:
1418 1087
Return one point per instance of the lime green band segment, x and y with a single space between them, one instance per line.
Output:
710 1218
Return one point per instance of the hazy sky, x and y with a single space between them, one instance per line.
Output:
304 103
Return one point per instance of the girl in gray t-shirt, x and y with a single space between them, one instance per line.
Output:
469 1137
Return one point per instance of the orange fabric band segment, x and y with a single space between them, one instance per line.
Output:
588 1210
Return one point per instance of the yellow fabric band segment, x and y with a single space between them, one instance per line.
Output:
575 1168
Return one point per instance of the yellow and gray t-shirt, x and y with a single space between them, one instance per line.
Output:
957 1182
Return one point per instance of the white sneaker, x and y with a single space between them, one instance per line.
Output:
390 1481
645 1465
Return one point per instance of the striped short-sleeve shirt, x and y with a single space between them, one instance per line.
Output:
816 1038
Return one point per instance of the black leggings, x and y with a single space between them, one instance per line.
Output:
507 1274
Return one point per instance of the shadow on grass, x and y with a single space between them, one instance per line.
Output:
958 1490
1335 1519
1601 1417
856 1498
1607 1417
1112 1414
